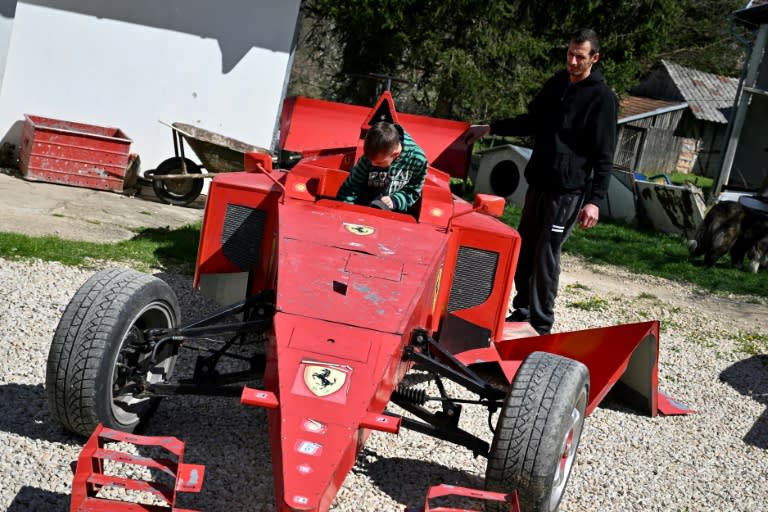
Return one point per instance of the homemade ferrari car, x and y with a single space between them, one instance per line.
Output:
335 303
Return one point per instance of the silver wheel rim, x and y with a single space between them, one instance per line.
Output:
567 454
124 407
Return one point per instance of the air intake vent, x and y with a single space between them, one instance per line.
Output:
242 235
473 280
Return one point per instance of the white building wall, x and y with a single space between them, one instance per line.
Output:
222 65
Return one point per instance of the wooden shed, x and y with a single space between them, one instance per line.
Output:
676 120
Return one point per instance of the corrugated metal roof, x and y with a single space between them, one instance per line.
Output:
634 106
709 96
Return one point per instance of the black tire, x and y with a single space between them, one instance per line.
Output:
178 192
538 432
99 329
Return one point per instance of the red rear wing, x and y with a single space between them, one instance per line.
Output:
310 126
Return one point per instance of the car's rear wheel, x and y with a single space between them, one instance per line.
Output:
99 358
538 431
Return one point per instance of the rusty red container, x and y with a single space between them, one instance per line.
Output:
77 154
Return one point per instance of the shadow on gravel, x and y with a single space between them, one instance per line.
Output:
24 411
623 399
32 499
418 476
230 440
750 378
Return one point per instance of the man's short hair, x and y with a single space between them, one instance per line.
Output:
587 35
382 138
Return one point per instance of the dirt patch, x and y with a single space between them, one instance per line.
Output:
75 213
749 313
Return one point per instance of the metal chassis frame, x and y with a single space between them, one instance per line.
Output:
206 381
428 353
423 350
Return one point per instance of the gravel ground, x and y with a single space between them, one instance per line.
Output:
714 460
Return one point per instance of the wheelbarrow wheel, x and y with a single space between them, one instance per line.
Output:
177 191
100 359
538 432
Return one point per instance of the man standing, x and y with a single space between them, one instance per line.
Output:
573 119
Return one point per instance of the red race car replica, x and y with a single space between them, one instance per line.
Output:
338 303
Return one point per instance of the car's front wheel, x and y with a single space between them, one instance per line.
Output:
99 358
538 431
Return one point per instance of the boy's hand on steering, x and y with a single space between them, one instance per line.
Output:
388 201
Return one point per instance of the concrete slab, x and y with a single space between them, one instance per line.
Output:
73 213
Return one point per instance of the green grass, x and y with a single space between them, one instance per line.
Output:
591 304
656 254
150 248
752 343
679 178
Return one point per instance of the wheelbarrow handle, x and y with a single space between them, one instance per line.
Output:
174 128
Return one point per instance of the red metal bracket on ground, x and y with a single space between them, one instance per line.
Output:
443 490
259 398
382 423
91 477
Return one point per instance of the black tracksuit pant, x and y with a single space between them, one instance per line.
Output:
546 222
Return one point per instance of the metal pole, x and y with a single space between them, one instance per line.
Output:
742 103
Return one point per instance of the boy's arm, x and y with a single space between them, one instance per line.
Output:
356 182
411 192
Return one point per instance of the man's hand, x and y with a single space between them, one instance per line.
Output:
388 201
588 216
476 131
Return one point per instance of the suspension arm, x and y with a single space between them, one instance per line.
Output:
462 375
261 304
191 389
455 436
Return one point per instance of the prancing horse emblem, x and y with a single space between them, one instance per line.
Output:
359 229
322 380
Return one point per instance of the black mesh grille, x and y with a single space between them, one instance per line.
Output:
473 279
242 235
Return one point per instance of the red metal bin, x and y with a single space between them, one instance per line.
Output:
76 154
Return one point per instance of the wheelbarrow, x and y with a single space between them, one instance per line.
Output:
179 180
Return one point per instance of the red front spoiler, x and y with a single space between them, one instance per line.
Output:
444 491
97 468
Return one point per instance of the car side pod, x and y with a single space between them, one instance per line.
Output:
443 491
96 464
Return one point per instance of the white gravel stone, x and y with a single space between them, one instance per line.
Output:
716 459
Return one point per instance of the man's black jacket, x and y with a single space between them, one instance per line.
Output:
575 130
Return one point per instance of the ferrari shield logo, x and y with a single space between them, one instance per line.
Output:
323 380
359 229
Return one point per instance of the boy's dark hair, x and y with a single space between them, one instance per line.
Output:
587 35
382 138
